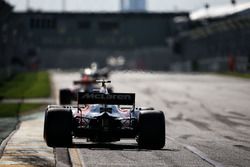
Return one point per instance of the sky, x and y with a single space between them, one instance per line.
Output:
113 5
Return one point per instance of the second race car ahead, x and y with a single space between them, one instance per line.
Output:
87 83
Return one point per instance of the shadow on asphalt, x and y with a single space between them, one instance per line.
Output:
111 146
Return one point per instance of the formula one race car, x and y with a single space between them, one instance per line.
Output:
95 72
86 84
103 117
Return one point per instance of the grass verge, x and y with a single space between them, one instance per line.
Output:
12 110
26 85
236 74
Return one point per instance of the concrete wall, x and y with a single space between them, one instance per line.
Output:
154 58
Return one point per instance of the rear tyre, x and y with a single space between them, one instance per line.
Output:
65 96
58 127
151 130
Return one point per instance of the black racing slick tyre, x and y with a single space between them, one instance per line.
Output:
151 130
65 96
58 127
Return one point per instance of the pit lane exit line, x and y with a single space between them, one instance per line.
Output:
197 152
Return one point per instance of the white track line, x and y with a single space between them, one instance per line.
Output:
76 158
197 152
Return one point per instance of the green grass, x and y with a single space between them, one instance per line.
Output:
26 85
236 74
11 110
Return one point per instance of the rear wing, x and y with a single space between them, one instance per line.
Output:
83 82
101 98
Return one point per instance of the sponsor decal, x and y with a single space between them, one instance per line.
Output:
100 98
107 96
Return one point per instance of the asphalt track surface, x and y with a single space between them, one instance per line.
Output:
207 124
207 121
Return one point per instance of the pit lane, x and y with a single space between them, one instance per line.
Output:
207 121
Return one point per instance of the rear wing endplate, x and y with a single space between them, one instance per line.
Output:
101 98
